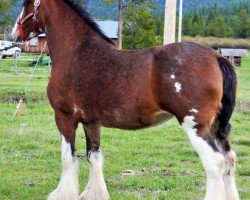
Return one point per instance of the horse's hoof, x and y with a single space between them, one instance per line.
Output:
94 195
59 195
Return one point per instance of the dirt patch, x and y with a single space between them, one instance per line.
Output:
243 107
129 172
187 172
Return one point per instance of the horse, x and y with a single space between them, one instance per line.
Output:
94 83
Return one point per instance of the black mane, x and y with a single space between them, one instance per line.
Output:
25 2
83 13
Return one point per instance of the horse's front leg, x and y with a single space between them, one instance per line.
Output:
67 189
96 188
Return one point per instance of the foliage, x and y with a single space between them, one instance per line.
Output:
139 27
229 21
80 2
5 15
125 2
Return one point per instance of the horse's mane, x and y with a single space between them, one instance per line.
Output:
84 14
87 18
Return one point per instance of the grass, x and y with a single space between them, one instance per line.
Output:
165 164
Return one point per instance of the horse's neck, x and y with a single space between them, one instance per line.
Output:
68 33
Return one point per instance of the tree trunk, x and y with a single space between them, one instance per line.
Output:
4 34
120 24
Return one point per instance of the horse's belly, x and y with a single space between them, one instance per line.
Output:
156 118
138 121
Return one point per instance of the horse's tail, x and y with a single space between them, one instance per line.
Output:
228 98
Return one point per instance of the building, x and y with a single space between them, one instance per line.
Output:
110 29
234 55
35 45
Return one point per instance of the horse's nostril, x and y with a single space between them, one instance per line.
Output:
18 39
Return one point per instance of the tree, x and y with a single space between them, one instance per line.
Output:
139 27
187 24
219 28
6 20
122 4
80 2
242 24
197 26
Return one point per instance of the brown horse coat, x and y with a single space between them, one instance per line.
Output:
94 83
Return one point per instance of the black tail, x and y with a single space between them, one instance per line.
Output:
228 98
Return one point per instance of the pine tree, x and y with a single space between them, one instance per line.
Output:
122 4
139 27
242 25
6 20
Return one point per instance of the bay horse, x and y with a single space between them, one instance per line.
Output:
94 83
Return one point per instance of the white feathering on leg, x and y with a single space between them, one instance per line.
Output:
96 188
68 186
229 177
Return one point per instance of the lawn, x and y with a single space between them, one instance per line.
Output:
162 159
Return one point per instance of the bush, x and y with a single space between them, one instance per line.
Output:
216 43
1 36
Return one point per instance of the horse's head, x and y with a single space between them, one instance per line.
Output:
28 23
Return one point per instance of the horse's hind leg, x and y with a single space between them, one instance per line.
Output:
213 161
228 175
67 189
96 188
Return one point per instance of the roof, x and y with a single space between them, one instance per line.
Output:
234 52
109 28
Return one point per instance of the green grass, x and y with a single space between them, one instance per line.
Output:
166 165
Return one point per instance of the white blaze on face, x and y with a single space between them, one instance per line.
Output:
177 87
172 76
15 32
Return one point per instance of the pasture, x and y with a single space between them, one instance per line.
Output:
163 165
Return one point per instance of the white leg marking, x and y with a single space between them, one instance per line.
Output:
177 87
213 162
228 176
68 186
96 188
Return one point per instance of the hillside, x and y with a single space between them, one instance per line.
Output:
97 9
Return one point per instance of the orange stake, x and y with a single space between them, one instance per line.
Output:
20 108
